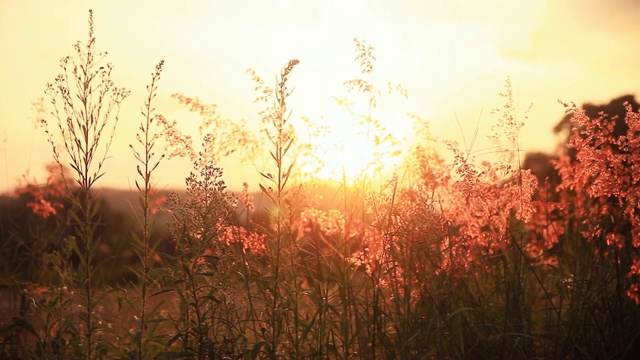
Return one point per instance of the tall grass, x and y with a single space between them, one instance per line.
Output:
468 259
143 335
86 107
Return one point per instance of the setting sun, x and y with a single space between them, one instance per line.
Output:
353 147
348 154
451 56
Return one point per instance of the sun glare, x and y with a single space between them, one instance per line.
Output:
349 153
351 148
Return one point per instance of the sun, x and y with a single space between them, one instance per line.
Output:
352 148
348 153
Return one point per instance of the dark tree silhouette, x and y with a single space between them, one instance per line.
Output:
613 111
541 164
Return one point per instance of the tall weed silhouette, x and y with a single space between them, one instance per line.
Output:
86 106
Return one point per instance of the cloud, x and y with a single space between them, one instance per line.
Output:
590 33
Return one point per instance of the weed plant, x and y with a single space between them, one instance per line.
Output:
461 260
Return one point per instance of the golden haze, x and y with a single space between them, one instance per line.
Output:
452 56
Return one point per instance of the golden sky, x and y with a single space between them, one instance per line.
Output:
453 57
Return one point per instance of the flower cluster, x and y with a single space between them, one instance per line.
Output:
483 199
157 201
330 223
251 242
46 197
605 178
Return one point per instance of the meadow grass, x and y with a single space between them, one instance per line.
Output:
463 260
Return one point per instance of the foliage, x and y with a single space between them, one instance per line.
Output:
469 259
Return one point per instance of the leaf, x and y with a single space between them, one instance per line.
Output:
73 245
21 322
163 291
267 176
308 327
458 311
256 349
156 320
268 193
212 298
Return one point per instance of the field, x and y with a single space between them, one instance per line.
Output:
446 256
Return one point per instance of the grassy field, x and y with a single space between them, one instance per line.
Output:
462 259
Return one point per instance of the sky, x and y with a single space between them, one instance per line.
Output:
453 57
